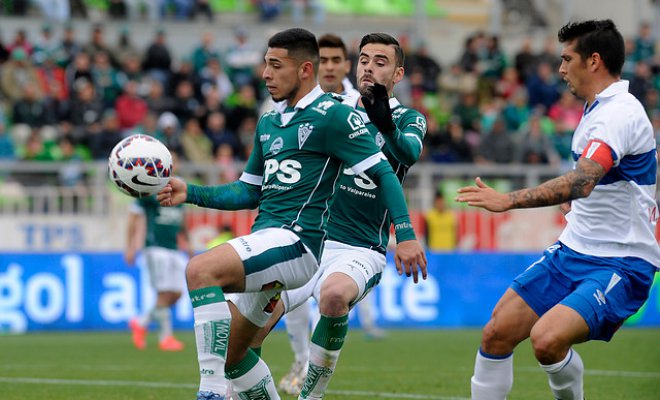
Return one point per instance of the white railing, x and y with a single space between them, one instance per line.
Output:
35 187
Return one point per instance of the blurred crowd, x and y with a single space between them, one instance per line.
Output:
492 107
65 99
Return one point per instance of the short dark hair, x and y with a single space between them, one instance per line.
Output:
384 38
300 43
333 41
596 36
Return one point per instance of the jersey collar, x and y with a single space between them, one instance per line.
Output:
614 89
309 98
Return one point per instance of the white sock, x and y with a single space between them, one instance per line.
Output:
365 313
322 363
145 319
164 317
212 323
257 382
565 377
493 377
297 327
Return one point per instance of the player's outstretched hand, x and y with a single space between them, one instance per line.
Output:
173 194
376 103
410 257
484 196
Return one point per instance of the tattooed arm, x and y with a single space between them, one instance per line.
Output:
572 185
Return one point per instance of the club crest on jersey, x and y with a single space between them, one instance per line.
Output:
276 146
304 131
380 140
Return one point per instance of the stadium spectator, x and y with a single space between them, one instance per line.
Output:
605 271
31 109
298 8
543 87
525 60
213 75
16 74
125 48
186 105
68 48
135 7
157 101
85 111
78 72
46 46
21 41
109 81
101 142
448 145
52 80
130 107
197 147
645 43
225 161
268 9
204 7
97 43
216 130
535 146
157 60
516 111
241 58
204 52
497 146
181 8
441 225
169 132
640 83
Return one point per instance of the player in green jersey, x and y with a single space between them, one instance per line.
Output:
358 229
300 150
158 229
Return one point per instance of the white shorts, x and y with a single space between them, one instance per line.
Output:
274 259
364 266
167 268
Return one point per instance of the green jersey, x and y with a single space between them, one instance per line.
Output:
163 223
359 216
297 160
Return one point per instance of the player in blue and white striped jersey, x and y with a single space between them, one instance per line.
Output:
600 271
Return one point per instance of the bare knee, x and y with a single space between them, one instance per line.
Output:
548 347
495 340
196 273
333 302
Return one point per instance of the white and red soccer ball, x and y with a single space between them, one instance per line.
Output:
140 165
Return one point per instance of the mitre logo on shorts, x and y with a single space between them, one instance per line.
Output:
304 130
245 244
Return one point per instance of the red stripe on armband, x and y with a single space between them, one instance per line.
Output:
600 152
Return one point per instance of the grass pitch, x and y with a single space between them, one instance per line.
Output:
427 364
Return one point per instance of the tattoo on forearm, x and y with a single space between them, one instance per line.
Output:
573 185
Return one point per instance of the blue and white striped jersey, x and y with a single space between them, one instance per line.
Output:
618 218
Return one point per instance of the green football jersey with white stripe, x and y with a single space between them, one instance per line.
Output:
297 159
359 216
163 223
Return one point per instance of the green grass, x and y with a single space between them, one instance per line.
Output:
430 364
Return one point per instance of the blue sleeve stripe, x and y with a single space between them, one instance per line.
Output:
638 168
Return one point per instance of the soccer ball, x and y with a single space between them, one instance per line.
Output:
140 165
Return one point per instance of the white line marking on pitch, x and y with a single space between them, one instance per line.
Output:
82 382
